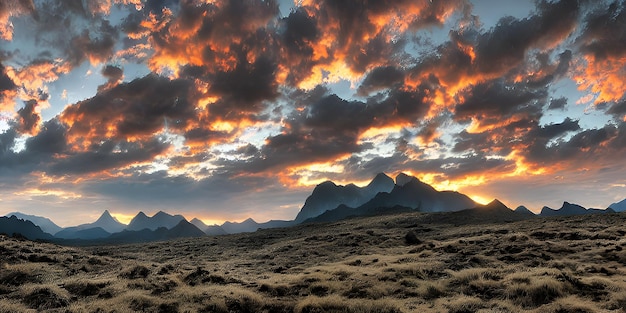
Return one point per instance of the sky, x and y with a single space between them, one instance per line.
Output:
229 109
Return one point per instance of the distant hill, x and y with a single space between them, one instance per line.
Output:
160 219
103 227
343 211
523 210
86 233
44 223
571 209
328 196
420 196
13 225
618 206
183 229
247 226
211 230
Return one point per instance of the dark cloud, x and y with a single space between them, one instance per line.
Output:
504 47
380 78
558 103
498 99
108 155
604 34
245 87
95 47
113 74
618 109
28 119
137 108
50 140
299 34
583 146
6 83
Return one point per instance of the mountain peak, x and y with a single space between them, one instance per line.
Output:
403 179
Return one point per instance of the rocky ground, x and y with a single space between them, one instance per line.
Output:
409 262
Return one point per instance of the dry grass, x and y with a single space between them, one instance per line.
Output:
574 264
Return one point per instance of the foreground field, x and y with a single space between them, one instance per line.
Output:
396 263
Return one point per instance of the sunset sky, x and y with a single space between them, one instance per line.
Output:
225 110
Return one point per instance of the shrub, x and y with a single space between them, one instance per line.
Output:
138 271
45 299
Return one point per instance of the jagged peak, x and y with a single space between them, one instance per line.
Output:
403 179
496 202
249 220
160 213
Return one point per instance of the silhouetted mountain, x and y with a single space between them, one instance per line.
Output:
493 212
211 230
82 233
415 194
247 226
570 209
160 219
523 210
600 211
402 179
13 225
108 223
276 224
44 223
328 196
183 229
618 206
343 211
103 227
410 194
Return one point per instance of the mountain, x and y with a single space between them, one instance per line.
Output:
183 229
523 210
44 223
13 225
108 223
493 212
619 206
212 230
415 194
571 209
84 233
343 211
327 196
104 226
410 195
160 219
246 226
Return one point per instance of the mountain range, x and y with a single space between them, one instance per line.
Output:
328 202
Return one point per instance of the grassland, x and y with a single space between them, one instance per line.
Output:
397 263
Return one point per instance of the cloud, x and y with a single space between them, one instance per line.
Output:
136 109
108 155
557 104
505 46
7 90
114 76
380 78
28 118
9 9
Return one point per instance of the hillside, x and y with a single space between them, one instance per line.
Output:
397 263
